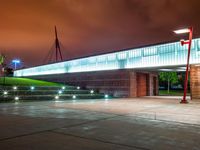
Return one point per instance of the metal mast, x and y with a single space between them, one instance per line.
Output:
57 46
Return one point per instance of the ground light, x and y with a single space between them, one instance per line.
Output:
5 93
183 42
74 96
60 92
63 88
56 97
14 88
78 87
32 88
106 96
92 92
16 98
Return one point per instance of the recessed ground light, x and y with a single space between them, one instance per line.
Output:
32 88
106 96
63 87
74 96
60 92
56 97
78 87
14 88
16 98
92 92
5 93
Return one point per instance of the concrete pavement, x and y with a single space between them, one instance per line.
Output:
140 123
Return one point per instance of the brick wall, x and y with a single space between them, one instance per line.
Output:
195 81
119 83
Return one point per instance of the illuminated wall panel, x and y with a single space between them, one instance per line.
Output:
163 55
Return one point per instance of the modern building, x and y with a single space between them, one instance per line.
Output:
129 73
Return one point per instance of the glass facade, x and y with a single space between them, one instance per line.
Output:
162 55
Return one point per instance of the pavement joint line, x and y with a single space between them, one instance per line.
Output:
20 119
151 110
167 113
128 115
124 115
69 109
70 126
102 111
103 141
93 111
168 121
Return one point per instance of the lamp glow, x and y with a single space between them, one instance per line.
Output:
92 92
5 93
56 97
78 88
74 96
32 88
106 96
14 88
16 98
15 62
63 87
59 92
181 31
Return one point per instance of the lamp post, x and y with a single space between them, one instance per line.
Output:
189 43
16 61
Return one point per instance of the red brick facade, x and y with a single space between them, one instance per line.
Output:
119 83
195 81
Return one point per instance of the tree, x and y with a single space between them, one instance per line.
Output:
1 59
8 71
170 77
2 64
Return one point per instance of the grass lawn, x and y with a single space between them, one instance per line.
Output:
26 82
172 92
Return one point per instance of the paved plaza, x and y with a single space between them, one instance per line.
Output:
117 124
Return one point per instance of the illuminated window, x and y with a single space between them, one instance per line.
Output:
121 55
150 51
158 55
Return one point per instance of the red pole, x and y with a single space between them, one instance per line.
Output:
187 67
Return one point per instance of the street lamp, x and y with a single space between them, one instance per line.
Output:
183 42
16 61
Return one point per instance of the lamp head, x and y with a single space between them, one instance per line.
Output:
182 31
17 61
182 42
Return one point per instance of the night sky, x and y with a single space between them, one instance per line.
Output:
88 27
